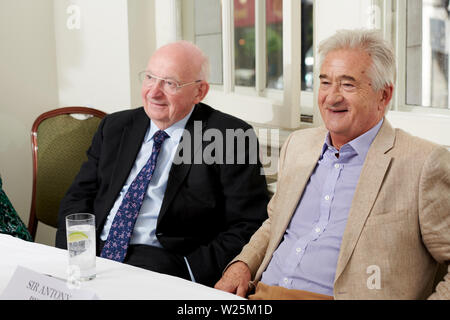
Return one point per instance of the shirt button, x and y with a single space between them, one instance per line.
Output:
327 197
286 280
337 166
317 229
298 250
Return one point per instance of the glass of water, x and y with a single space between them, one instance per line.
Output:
81 245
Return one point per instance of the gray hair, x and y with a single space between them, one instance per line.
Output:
382 71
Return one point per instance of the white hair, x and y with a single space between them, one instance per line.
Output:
382 70
205 69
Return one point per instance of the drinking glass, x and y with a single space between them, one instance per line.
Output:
81 245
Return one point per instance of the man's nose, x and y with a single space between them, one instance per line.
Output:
155 89
334 97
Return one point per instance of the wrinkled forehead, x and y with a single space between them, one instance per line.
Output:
346 63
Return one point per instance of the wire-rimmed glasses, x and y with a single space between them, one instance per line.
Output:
169 86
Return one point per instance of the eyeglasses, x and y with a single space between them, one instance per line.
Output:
169 86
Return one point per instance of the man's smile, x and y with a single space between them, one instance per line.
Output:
337 109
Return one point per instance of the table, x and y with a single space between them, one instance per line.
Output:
114 280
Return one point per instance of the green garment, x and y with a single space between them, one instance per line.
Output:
10 222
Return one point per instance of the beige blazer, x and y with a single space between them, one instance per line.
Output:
398 226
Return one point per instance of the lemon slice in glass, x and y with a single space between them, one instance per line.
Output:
77 236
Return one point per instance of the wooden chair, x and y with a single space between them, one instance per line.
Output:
59 141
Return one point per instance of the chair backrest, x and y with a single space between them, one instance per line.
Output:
59 141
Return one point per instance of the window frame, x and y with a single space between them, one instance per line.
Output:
395 28
426 122
263 105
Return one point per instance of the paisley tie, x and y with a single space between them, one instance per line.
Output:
119 236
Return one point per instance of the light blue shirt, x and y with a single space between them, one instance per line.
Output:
145 227
307 257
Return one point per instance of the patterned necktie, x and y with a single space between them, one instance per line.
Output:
119 236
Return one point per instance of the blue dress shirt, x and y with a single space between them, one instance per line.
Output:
307 257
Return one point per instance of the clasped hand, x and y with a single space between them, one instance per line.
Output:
235 279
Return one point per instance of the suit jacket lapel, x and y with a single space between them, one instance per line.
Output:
178 172
371 178
130 144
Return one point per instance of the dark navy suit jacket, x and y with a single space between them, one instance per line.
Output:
209 211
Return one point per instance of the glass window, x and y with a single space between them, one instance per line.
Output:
205 32
307 45
257 56
427 53
274 37
244 42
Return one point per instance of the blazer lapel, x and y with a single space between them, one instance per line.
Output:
371 178
130 144
179 171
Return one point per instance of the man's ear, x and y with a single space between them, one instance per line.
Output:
386 96
202 91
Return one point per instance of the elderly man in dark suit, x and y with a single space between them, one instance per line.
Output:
164 198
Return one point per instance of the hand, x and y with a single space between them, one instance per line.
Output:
235 279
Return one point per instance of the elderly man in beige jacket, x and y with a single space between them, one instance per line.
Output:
362 210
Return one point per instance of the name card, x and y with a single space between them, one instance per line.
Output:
26 284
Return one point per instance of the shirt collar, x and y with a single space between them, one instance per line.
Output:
360 144
175 131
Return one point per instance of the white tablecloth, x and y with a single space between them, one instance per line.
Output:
114 280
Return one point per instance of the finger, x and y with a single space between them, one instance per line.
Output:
224 286
242 291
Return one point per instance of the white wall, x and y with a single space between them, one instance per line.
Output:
142 42
433 127
98 64
28 87
93 61
166 22
46 65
